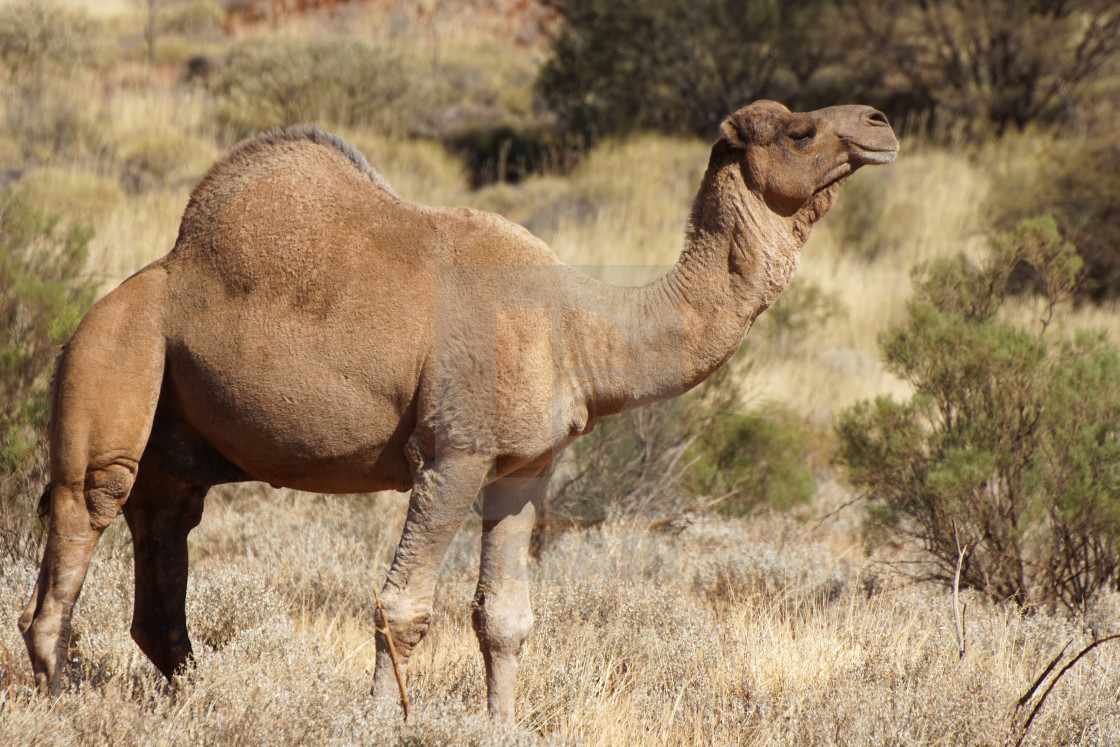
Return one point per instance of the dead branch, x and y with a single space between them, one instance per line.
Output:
958 612
1049 668
698 507
392 653
834 512
1054 681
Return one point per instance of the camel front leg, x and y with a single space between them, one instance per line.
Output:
79 513
442 493
502 615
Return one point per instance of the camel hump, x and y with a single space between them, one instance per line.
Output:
298 177
279 143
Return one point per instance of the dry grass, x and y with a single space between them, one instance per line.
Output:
763 632
766 631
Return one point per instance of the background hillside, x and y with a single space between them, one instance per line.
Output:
788 613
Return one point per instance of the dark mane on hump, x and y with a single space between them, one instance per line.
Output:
250 147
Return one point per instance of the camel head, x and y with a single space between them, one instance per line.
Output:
790 158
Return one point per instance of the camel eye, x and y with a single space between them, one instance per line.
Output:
803 136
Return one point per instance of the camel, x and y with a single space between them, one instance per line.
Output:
313 330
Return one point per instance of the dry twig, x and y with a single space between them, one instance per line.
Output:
958 612
392 653
691 509
1037 706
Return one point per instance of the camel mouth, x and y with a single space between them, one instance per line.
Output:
838 173
861 155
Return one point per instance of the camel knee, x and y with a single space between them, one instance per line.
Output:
106 490
408 622
501 624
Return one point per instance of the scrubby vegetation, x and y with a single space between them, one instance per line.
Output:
1075 182
773 602
43 295
680 65
1008 450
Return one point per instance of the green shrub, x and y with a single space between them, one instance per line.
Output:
42 299
1075 181
681 66
1010 444
759 458
685 452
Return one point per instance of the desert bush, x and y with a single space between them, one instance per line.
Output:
510 152
983 63
1010 444
53 118
38 36
858 218
153 159
42 298
190 17
343 81
803 306
1075 181
680 66
682 453
81 196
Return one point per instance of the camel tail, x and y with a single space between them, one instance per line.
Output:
43 510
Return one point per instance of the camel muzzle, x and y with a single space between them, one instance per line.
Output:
865 132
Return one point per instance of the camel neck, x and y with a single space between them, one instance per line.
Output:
674 333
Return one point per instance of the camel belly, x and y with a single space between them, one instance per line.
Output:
293 417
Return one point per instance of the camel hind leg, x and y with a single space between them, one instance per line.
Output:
103 404
160 513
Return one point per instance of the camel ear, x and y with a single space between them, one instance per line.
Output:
738 130
732 132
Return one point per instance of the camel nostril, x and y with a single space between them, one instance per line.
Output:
876 118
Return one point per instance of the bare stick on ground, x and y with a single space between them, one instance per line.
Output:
1037 706
958 612
392 653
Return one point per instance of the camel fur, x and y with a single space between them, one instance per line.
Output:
313 330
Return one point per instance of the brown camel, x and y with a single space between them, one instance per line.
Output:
311 329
